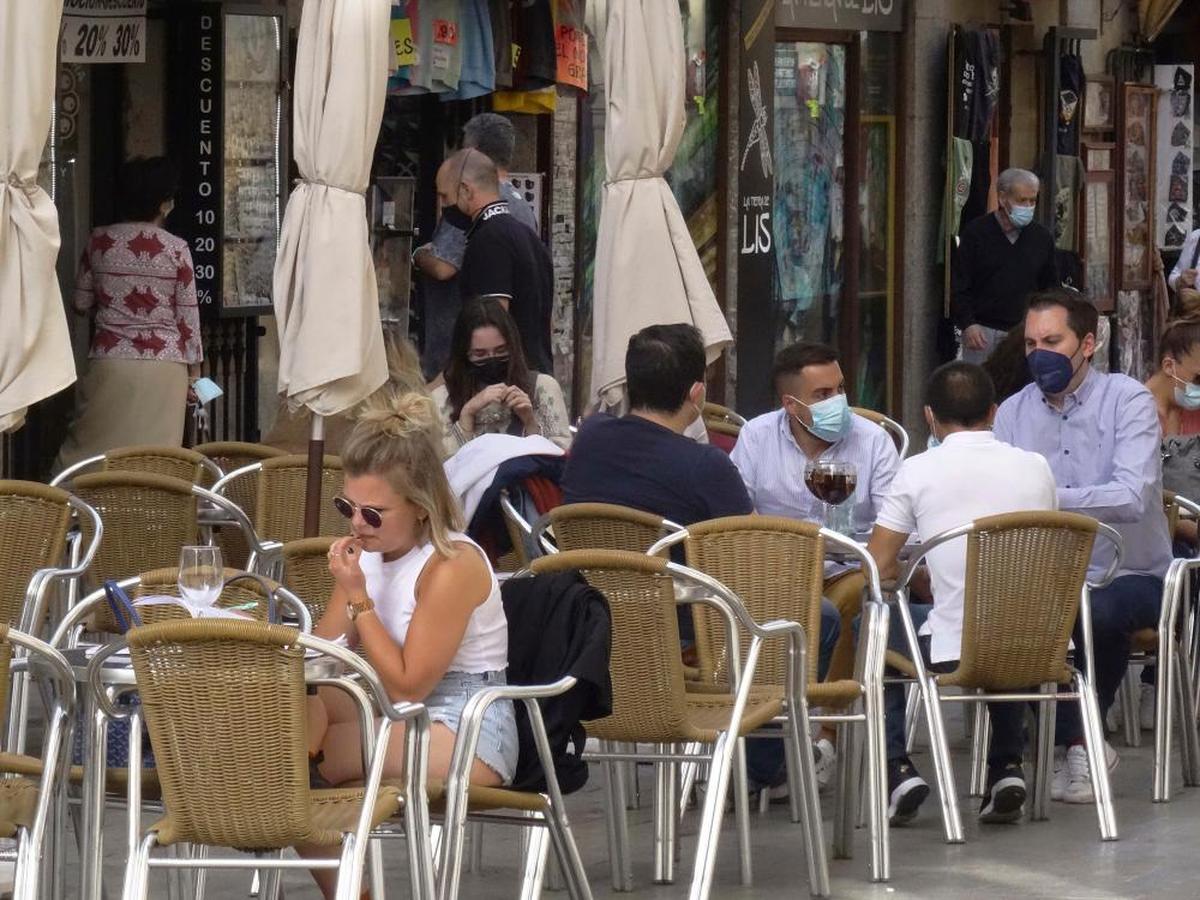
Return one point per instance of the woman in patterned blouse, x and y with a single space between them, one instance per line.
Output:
137 281
489 388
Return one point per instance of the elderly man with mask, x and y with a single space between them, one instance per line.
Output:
1101 436
1002 257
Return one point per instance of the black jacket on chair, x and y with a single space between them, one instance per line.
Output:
558 625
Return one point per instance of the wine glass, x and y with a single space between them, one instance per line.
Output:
833 482
201 574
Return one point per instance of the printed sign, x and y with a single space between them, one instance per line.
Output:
402 41
849 15
571 46
103 31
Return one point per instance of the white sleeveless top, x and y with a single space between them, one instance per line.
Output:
392 588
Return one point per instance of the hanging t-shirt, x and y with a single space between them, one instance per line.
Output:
976 82
535 56
404 52
436 26
571 43
1070 103
502 41
478 74
1068 183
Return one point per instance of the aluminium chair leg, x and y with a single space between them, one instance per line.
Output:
846 783
980 740
1131 720
1164 714
713 812
535 841
1044 755
475 847
620 861
741 812
1187 715
1093 731
567 853
951 819
689 774
375 870
798 739
665 818
912 716
792 752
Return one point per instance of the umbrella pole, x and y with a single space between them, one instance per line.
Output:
312 486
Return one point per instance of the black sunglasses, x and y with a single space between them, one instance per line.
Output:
372 516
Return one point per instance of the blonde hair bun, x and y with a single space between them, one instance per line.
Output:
397 415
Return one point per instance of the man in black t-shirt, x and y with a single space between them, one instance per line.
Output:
504 258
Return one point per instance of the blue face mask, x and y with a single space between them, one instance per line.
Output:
831 417
1187 395
1020 215
933 443
1051 371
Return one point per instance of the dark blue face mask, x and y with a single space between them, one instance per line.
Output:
1051 371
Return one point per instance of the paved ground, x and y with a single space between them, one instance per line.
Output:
1062 858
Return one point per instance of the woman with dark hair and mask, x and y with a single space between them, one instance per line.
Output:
488 386
1176 384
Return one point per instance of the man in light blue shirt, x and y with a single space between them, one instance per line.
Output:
1101 436
814 421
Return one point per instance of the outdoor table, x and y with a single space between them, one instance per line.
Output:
118 678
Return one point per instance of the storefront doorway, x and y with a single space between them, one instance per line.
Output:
834 202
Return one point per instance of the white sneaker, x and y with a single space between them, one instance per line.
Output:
1058 783
1146 707
825 760
1078 788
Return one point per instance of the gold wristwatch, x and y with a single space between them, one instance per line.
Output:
356 606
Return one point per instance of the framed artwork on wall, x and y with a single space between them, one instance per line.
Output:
1099 103
1096 222
1135 142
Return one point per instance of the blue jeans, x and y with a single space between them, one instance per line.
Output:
1130 603
1008 719
766 765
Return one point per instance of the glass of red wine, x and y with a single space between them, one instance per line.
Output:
833 482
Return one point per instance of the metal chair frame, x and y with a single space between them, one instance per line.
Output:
869 672
69 473
895 430
33 610
727 757
1083 692
38 870
370 695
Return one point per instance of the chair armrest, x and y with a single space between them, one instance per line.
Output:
236 515
71 471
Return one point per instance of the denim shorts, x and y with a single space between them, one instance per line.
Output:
497 746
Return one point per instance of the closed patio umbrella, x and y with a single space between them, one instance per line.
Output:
35 347
647 268
326 298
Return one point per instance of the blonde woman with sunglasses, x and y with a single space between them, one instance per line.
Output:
417 595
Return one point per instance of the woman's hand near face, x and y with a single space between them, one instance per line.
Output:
344 567
493 393
518 401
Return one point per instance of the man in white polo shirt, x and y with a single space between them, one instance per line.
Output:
966 474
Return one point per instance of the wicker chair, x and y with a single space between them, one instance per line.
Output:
29 800
231 456
775 566
1026 575
1169 648
894 429
600 526
651 705
175 462
147 519
39 554
306 572
236 775
279 485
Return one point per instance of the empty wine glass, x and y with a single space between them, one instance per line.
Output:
201 574
833 483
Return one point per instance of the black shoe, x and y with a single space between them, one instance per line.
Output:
907 790
1004 801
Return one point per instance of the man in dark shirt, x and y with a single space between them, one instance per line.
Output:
504 258
1002 258
643 461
